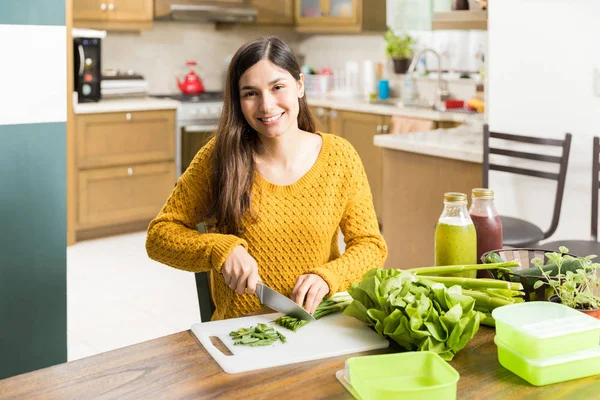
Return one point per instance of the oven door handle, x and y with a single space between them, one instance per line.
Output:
199 128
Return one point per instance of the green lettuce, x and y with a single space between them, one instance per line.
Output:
419 315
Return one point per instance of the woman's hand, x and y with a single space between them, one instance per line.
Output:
240 271
309 290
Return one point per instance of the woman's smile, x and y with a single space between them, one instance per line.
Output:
271 120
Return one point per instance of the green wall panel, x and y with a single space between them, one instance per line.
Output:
33 281
32 12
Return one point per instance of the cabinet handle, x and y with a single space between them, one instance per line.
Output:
111 7
333 114
379 128
129 171
128 116
385 129
103 6
320 111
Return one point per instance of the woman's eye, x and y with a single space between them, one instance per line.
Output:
277 87
248 94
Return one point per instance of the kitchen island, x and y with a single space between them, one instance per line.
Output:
418 168
177 367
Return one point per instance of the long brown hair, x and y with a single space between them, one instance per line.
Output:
236 142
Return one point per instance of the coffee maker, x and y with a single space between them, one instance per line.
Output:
87 63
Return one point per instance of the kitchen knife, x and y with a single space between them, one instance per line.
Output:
278 302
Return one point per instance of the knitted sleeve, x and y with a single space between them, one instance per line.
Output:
173 238
365 247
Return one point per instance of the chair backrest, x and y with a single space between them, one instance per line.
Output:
595 186
560 177
207 307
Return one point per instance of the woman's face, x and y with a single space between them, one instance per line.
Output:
269 99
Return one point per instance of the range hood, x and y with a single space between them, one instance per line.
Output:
204 11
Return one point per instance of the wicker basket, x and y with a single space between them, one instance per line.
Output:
524 256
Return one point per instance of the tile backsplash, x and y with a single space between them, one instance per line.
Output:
160 54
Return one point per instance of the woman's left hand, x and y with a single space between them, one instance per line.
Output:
309 290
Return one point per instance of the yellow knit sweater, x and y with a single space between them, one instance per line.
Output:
295 231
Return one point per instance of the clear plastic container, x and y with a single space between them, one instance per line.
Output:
421 375
541 329
545 371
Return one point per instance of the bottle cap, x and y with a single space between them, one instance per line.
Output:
482 193
454 197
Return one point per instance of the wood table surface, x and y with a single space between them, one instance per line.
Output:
178 367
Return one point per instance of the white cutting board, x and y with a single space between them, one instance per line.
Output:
330 336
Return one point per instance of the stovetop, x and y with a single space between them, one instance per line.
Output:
196 98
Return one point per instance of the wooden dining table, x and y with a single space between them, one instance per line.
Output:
178 367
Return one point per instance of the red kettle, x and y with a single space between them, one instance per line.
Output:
192 84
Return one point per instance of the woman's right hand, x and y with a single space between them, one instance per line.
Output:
240 271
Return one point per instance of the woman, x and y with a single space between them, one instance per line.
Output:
272 193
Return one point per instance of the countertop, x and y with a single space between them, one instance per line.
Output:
177 366
125 104
364 106
461 143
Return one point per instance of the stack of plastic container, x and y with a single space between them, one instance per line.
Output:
545 342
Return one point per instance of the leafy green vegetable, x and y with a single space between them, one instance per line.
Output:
259 335
418 314
290 323
335 303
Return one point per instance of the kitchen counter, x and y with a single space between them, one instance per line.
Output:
462 143
177 366
358 105
125 104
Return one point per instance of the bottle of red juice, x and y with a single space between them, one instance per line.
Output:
487 224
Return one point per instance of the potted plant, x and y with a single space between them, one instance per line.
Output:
399 49
579 289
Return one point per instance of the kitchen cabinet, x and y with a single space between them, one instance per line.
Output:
359 129
113 14
330 16
271 12
322 118
125 168
412 199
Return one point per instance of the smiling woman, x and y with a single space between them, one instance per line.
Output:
272 193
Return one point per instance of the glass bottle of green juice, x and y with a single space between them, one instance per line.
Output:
455 237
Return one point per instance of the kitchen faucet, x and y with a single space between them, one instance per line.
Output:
437 104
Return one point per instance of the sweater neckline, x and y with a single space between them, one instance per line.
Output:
305 179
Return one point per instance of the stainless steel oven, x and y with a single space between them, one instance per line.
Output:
193 137
197 117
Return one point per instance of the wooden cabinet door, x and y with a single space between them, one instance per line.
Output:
125 138
130 10
124 194
310 11
321 116
327 12
359 129
271 12
91 10
342 12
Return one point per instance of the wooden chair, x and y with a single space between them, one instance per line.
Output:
207 307
584 248
519 232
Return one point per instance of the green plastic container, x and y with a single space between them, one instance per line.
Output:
541 329
545 371
421 375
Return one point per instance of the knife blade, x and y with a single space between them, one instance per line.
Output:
279 302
